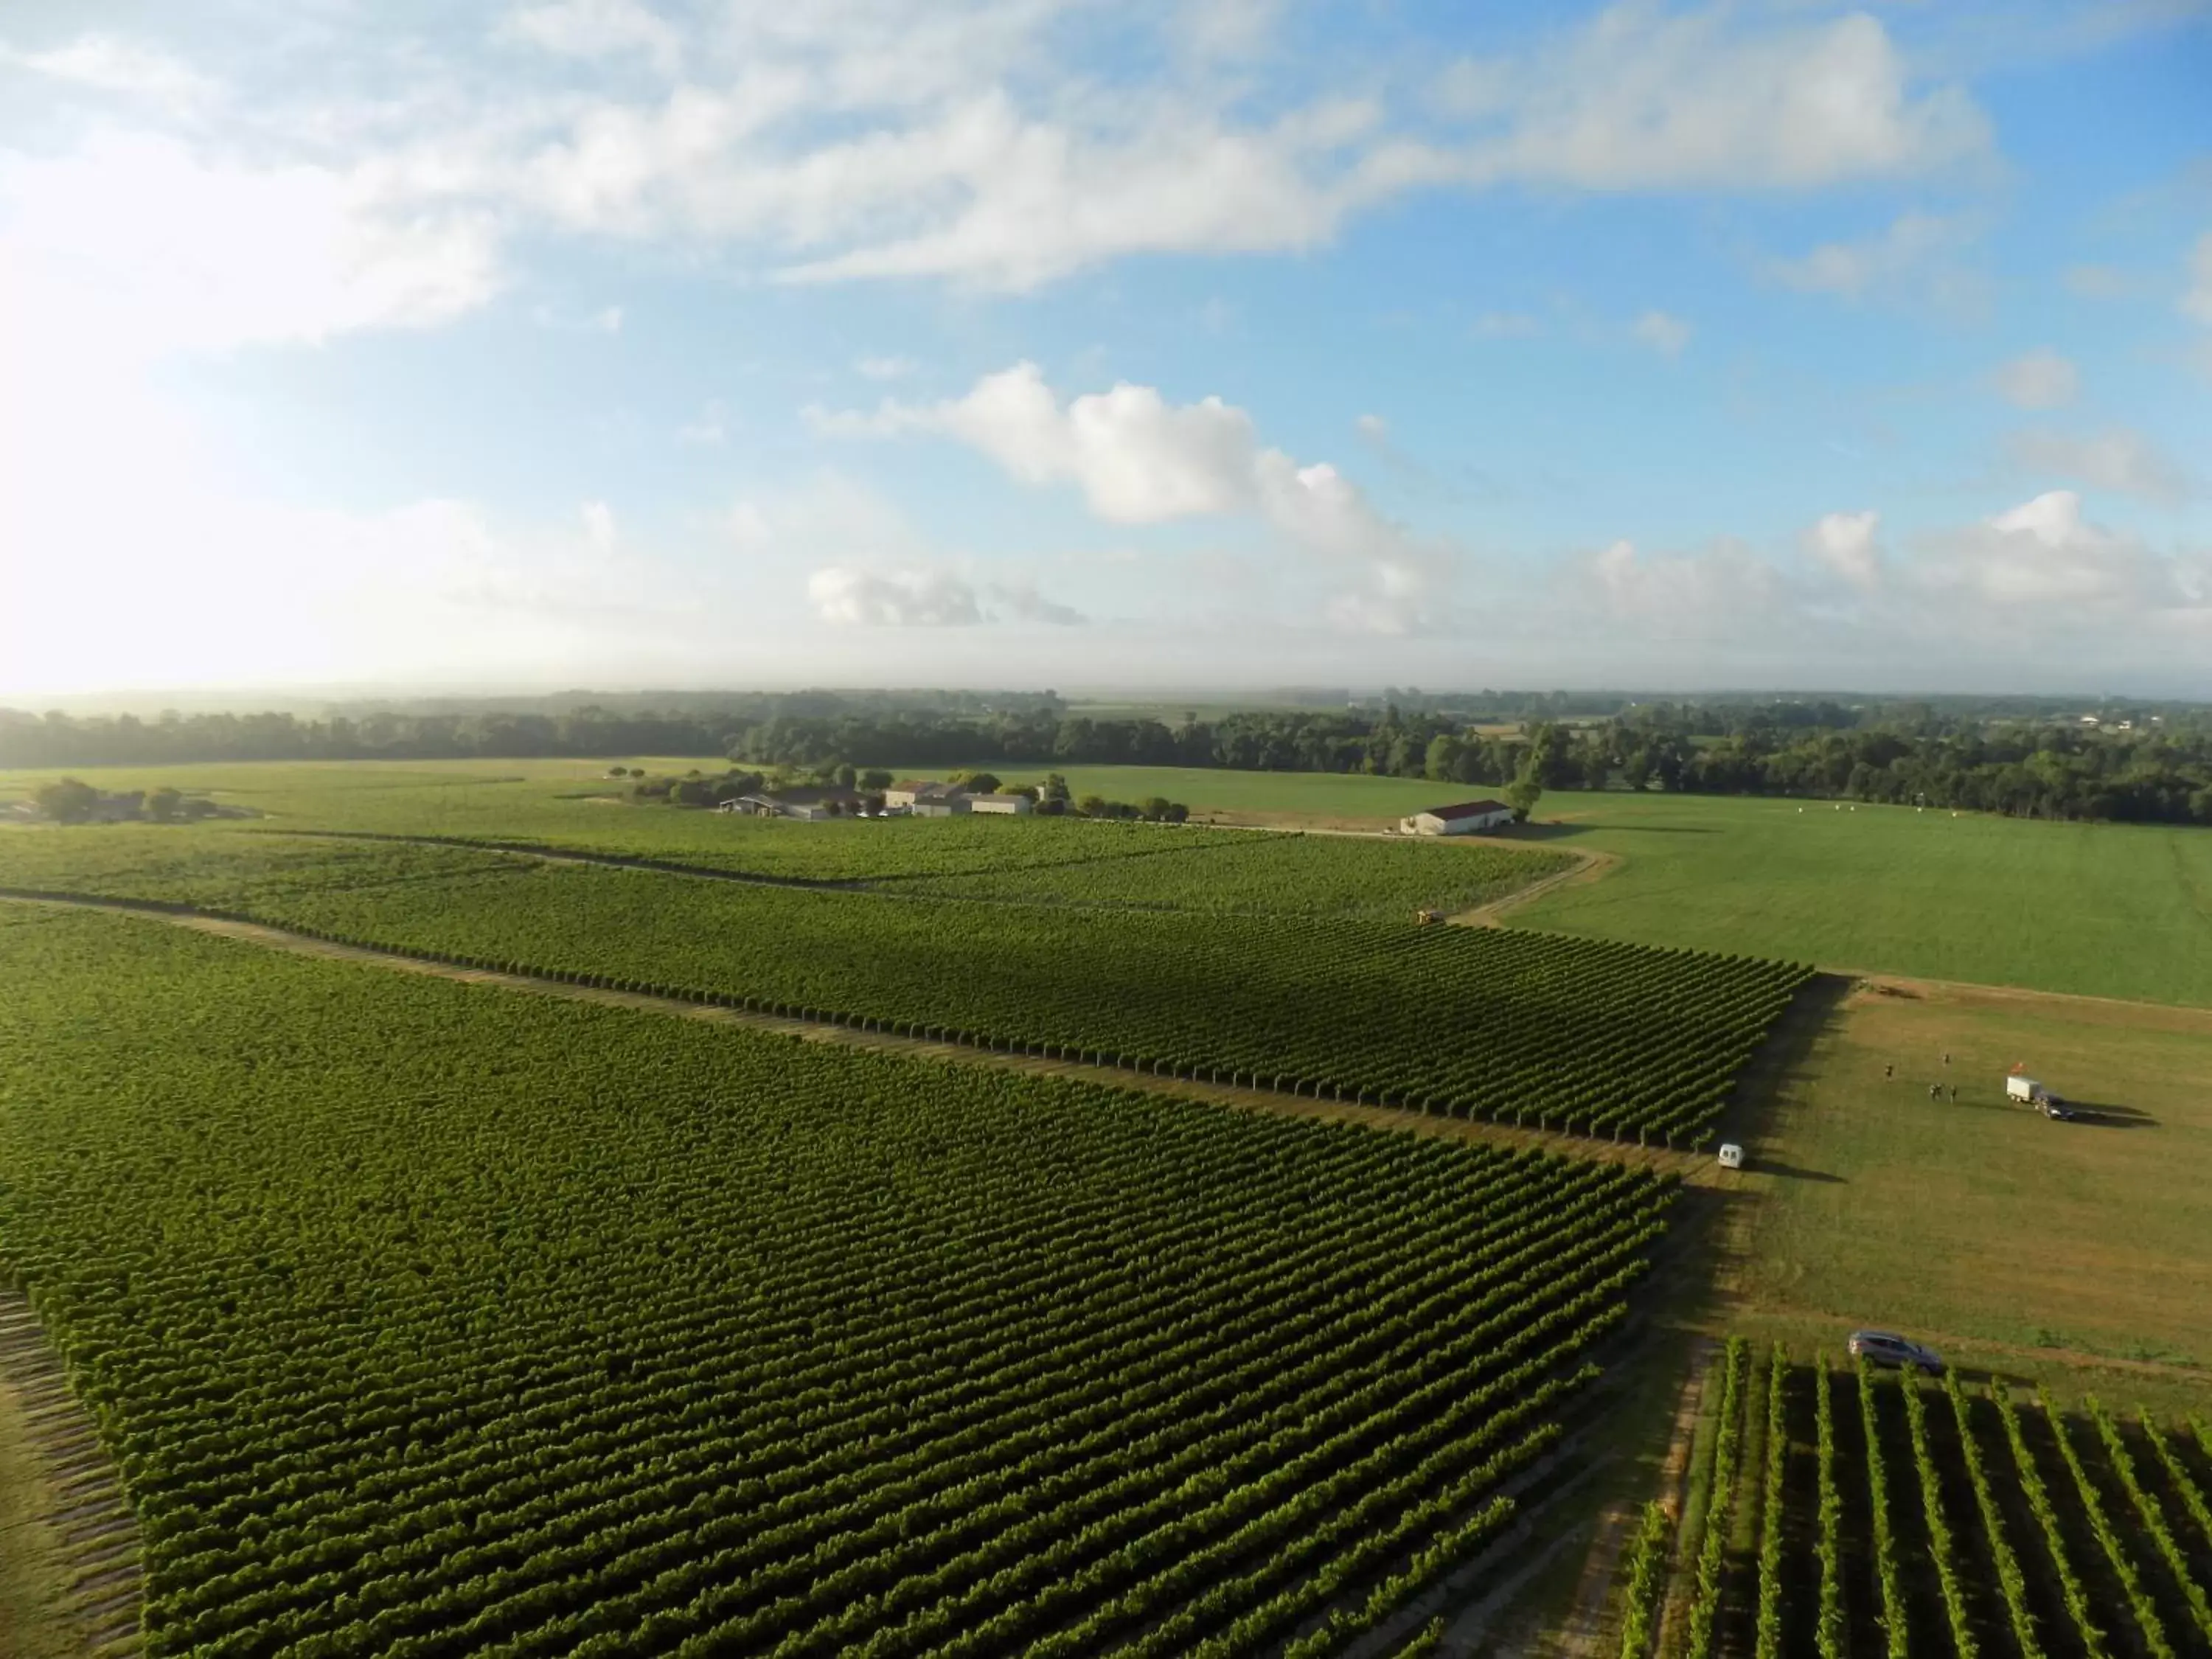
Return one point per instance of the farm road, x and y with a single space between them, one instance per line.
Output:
1692 1167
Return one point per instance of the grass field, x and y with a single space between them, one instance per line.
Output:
2037 1245
2113 910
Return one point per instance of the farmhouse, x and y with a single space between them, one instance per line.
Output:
1015 805
1469 818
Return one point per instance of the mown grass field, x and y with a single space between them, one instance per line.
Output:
2032 1245
2112 910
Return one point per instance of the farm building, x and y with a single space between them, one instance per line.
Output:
806 803
911 793
1017 804
1469 818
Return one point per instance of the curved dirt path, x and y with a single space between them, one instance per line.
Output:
1591 867
1690 1165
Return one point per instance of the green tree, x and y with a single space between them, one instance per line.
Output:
1522 794
876 779
164 805
1092 807
67 801
977 783
1157 808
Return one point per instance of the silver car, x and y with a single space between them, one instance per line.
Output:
1887 1348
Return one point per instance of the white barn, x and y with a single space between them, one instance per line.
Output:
1014 804
1469 818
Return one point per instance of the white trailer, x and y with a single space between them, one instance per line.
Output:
2025 1089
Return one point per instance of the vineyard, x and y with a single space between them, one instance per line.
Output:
1849 1513
422 1320
1624 1041
1039 860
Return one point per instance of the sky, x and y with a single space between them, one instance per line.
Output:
1228 343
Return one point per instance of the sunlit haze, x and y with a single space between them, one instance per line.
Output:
1231 343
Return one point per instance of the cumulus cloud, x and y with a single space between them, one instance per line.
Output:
2121 460
2045 555
1666 335
849 597
1140 460
885 368
1846 544
2040 380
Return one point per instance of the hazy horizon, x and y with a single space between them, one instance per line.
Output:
1223 344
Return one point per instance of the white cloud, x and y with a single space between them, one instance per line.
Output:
2040 380
1373 428
849 597
1714 591
1846 544
1666 335
1638 99
600 526
2120 459
2045 555
596 29
135 248
1914 256
103 63
1138 459
1024 603
888 138
2197 299
885 368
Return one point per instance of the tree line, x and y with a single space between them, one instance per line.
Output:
2141 767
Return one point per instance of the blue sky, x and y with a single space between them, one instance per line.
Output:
1237 343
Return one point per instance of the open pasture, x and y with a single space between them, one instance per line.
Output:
1986 1228
2095 910
419 1317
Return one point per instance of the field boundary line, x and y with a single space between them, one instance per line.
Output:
1589 867
1689 1165
72 1542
